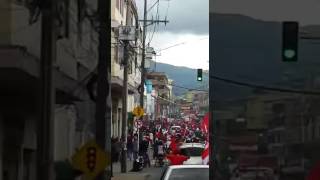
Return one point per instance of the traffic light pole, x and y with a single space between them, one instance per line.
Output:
103 100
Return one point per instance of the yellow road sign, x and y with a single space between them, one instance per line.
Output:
91 160
138 111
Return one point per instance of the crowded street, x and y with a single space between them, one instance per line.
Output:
167 143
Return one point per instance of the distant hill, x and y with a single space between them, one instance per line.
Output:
182 76
249 50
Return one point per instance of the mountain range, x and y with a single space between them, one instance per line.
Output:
249 50
184 77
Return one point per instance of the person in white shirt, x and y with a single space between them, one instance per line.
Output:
151 139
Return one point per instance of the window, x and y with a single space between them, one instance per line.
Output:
192 151
164 173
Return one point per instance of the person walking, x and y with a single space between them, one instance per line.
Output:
143 150
117 149
130 147
135 147
114 151
151 138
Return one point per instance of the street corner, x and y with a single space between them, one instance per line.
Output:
131 176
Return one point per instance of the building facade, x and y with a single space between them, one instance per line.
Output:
162 91
75 64
124 13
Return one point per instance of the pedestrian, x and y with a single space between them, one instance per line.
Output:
130 147
113 150
117 149
151 138
135 146
143 150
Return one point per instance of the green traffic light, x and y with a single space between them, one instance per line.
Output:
199 78
289 53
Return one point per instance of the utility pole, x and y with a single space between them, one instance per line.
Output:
124 110
45 134
103 100
143 71
124 127
144 32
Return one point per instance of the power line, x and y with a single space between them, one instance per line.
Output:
294 91
179 44
159 97
153 5
191 89
157 18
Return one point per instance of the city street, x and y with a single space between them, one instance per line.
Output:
152 173
155 173
148 173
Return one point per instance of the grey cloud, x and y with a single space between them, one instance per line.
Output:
184 16
306 11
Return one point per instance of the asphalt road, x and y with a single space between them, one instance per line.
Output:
155 172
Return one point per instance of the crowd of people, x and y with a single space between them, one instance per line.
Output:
160 141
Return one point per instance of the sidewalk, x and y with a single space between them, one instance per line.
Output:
117 175
116 167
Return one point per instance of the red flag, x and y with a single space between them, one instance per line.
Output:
205 155
205 123
176 159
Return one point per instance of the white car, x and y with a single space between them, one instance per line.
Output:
175 129
194 151
186 172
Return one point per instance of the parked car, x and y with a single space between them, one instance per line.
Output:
186 172
194 151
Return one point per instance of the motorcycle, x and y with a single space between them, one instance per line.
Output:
138 164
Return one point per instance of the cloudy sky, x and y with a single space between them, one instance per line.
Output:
305 11
188 26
